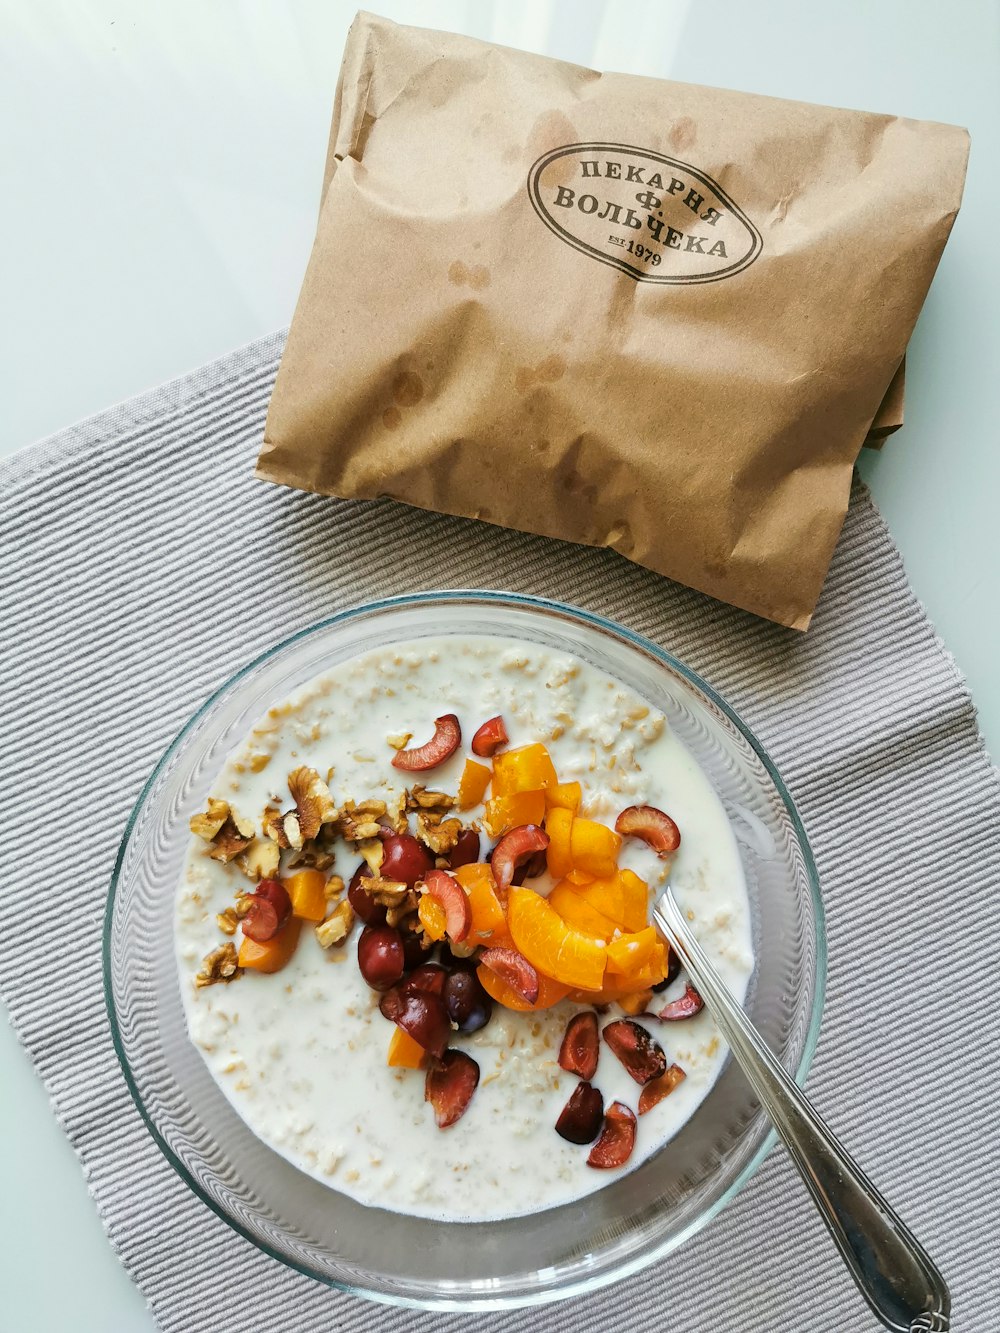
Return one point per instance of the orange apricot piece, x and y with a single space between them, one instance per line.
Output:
489 924
272 954
633 953
559 825
635 900
472 786
550 945
605 895
433 917
564 796
306 888
528 768
404 1052
594 847
578 913
506 812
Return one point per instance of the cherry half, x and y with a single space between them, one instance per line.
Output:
514 969
580 1047
488 739
270 909
642 1057
580 1119
656 829
617 1140
514 848
449 1086
441 746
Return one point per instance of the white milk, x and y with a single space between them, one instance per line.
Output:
301 1053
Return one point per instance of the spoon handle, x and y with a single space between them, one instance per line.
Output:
895 1275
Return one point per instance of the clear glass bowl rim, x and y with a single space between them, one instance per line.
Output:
481 596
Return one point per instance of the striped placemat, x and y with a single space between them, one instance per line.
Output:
141 564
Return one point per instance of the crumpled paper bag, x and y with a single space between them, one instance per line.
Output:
611 309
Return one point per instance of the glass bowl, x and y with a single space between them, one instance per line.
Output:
563 1251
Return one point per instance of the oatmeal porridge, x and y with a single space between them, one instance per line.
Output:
423 969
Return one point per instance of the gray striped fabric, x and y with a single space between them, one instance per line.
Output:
141 564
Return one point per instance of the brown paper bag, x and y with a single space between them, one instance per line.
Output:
626 312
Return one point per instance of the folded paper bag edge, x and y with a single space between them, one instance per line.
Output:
889 417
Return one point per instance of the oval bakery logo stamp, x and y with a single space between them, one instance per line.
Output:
653 217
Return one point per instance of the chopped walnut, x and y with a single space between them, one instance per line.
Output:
406 907
387 892
392 894
259 860
370 806
234 837
210 821
439 837
314 805
419 798
373 853
274 827
360 821
401 740
334 888
335 929
293 830
227 921
311 856
243 904
220 825
395 814
222 964
258 762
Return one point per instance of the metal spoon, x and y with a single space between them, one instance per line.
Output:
895 1275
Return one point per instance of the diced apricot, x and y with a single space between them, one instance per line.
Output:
605 896
579 877
632 953
617 986
637 1003
578 913
432 916
404 1052
635 895
272 954
472 787
594 847
564 796
306 888
660 961
489 924
506 812
549 992
556 949
559 825
651 973
613 990
528 768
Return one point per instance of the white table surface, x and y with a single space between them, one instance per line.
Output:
160 167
